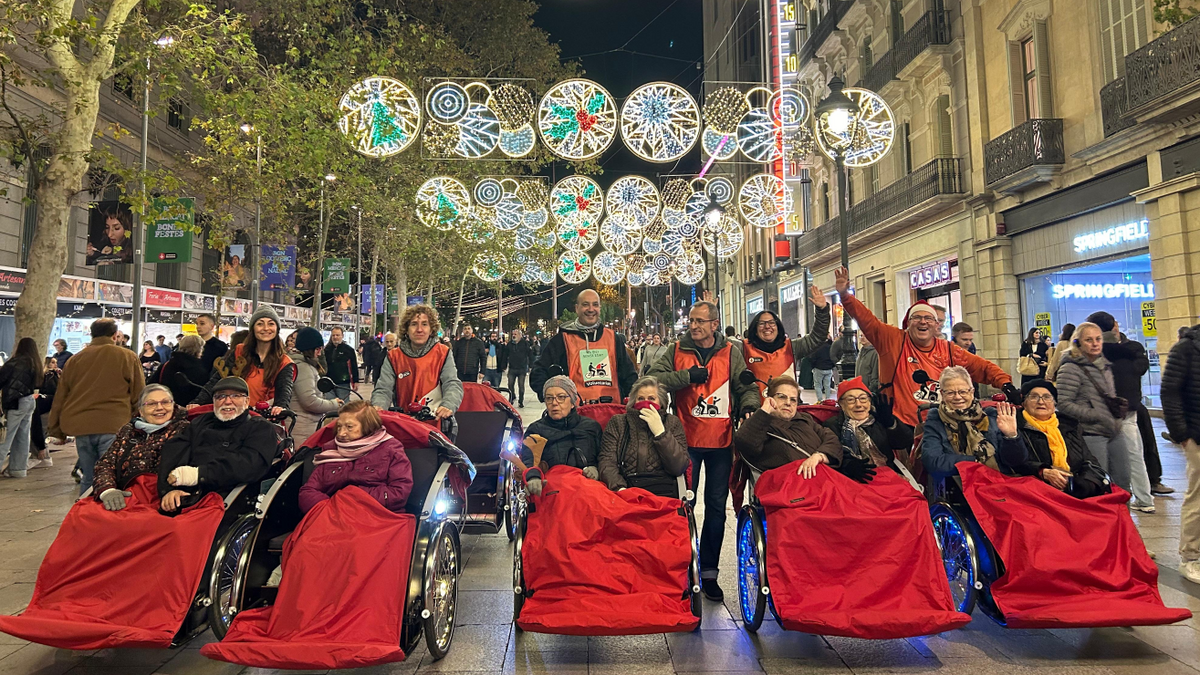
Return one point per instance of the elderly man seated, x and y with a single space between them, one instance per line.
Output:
218 451
959 429
1058 454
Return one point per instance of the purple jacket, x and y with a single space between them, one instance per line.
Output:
385 473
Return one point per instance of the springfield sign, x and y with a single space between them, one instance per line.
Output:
1113 236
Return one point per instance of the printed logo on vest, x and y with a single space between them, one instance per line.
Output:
595 366
714 405
755 359
403 375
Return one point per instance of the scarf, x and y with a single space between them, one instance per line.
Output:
966 429
1058 445
148 428
351 450
751 335
856 438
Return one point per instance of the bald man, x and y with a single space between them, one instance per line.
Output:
588 353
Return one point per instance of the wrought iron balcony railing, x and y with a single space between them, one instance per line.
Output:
1114 103
1038 142
1164 65
933 28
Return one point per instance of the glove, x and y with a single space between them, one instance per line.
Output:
653 420
856 469
1013 394
555 370
184 476
114 499
533 486
591 472
883 410
698 374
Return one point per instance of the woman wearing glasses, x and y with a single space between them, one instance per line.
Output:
866 432
961 430
1058 455
138 445
769 352
562 435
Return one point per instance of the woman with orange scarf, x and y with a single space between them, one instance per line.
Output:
1058 454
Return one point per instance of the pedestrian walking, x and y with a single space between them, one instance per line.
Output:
341 364
44 397
470 355
1181 410
822 370
519 357
214 347
19 377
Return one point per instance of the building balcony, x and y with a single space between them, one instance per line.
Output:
922 193
1030 153
824 28
1114 107
1162 79
932 29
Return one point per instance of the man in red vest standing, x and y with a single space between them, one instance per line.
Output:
595 358
702 371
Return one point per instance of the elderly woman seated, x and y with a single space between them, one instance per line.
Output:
646 447
561 436
364 454
867 429
137 447
1058 454
961 430
776 434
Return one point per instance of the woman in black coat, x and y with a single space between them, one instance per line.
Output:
1037 348
185 374
1076 471
562 435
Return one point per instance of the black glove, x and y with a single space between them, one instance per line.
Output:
555 370
1013 394
698 374
856 469
883 410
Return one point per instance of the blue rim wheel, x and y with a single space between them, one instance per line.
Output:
752 599
958 556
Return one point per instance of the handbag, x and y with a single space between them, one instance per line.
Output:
1027 366
1118 406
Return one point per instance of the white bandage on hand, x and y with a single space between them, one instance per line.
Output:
184 476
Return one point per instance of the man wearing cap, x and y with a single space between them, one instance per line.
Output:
218 451
912 358
594 357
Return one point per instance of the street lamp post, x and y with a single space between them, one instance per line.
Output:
836 111
316 315
256 248
139 235
358 288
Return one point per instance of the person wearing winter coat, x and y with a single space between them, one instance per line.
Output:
960 430
1181 410
769 352
373 356
19 377
470 355
260 361
1035 348
562 435
651 352
61 353
867 429
185 373
341 364
363 454
776 435
1085 388
138 446
1058 455
519 358
593 356
420 369
1060 350
307 400
645 447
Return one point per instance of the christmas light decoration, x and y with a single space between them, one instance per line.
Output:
690 268
789 108
534 194
609 268
577 119
724 108
447 102
490 267
759 137
675 193
380 116
724 240
439 140
634 277
660 122
718 145
868 135
535 220
474 229
513 105
577 200
509 213
478 132
443 203
617 237
720 189
762 200
518 143
634 197
578 236
574 267
488 192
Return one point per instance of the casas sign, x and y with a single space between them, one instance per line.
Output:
937 274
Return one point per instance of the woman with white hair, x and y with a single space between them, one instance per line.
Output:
138 446
646 447
561 436
961 430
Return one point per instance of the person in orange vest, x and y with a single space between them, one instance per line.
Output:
912 358
594 357
703 371
770 352
420 369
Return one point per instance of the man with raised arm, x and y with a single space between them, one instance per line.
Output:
594 357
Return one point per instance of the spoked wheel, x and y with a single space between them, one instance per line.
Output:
752 592
518 564
958 556
512 490
225 582
441 592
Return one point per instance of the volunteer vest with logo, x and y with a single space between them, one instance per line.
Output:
262 388
769 365
419 380
593 365
704 408
907 394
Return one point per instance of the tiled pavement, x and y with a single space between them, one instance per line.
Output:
485 641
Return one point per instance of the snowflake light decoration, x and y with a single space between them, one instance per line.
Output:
763 200
609 268
443 203
725 239
577 119
577 200
690 269
660 122
490 266
574 267
869 135
380 116
634 197
617 236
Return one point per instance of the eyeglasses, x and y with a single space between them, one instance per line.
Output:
1040 398
957 393
923 319
228 397
699 321
784 398
765 324
558 398
158 404
856 399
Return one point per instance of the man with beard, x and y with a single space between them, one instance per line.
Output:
218 451
594 357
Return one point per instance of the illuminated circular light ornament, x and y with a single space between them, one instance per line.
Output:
513 105
380 116
574 267
478 133
447 102
546 240
724 108
660 122
533 193
725 239
490 266
634 197
675 193
488 192
579 237
690 268
762 200
789 108
634 277
577 119
535 220
475 230
609 268
720 189
443 203
618 237
695 208
509 214
759 137
577 200
719 145
518 143
867 137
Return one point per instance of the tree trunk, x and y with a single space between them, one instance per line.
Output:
374 269
458 312
401 292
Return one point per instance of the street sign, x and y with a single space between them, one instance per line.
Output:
337 276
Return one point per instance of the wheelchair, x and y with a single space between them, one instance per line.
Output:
254 547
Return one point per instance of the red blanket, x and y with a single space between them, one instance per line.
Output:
341 601
119 578
600 562
1068 562
854 560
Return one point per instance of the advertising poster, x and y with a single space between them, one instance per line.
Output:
365 302
169 234
278 267
233 271
1042 322
79 289
1149 322
110 234
199 302
336 277
343 302
118 293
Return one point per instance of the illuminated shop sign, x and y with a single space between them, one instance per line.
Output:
937 274
1067 291
1113 236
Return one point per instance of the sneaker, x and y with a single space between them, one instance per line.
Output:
42 463
1191 571
1160 489
1144 508
712 590
1167 437
77 474
1152 554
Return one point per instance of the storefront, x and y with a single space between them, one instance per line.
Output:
792 309
937 283
1089 263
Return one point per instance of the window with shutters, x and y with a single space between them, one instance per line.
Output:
872 179
906 147
897 16
824 202
1029 76
868 59
944 138
1122 30
1029 79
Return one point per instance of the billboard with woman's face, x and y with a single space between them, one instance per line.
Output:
110 234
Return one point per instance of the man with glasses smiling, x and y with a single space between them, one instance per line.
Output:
218 451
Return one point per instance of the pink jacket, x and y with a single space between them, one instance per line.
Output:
385 473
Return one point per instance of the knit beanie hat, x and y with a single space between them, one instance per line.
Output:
918 306
264 312
566 384
308 338
851 385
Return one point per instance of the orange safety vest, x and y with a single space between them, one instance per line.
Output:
419 379
769 365
593 365
704 409
262 389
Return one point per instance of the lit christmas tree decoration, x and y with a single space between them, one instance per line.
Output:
443 203
380 116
